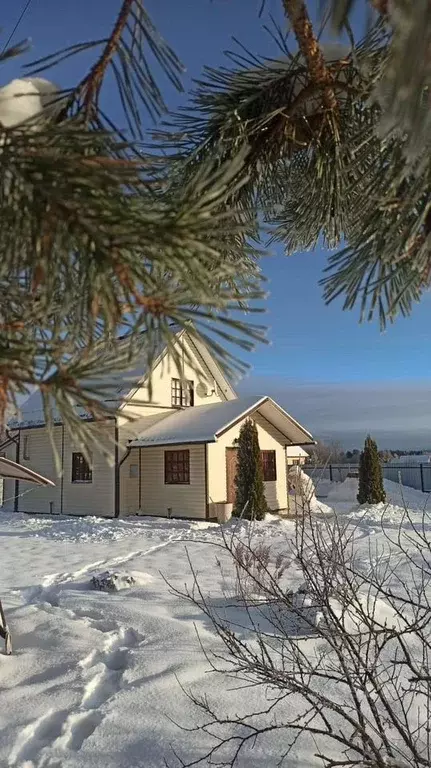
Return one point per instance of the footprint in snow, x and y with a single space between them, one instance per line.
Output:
69 729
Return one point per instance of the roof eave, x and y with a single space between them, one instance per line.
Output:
166 442
241 416
311 441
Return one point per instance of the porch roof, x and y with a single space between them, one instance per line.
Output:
206 423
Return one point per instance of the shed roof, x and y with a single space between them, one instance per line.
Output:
206 423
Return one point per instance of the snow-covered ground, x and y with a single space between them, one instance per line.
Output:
95 677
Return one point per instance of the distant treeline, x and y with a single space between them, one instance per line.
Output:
333 452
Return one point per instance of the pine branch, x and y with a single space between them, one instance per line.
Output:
297 13
89 88
404 87
88 248
124 53
320 174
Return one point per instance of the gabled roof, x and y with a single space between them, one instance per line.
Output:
206 423
121 386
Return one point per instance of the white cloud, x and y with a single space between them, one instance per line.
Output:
397 414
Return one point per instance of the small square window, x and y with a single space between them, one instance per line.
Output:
177 467
134 470
269 465
81 470
182 393
26 447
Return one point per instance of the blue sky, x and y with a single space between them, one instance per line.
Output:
340 377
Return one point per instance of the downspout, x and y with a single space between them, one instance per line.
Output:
62 470
140 481
116 474
118 463
207 507
15 504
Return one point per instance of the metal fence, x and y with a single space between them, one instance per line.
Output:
415 475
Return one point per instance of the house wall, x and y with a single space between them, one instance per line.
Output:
32 497
129 486
9 485
95 498
275 491
164 371
299 460
156 497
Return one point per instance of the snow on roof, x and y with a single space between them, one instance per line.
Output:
31 413
205 423
295 451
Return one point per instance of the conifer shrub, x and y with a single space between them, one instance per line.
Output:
250 501
370 490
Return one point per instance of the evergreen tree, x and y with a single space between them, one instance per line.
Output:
370 489
250 501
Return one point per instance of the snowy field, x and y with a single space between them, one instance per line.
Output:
95 677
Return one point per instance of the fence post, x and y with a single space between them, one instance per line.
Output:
422 479
330 472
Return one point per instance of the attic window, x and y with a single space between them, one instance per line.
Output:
81 470
182 393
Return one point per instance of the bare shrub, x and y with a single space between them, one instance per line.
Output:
344 657
255 568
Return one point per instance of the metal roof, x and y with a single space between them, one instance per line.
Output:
118 387
206 423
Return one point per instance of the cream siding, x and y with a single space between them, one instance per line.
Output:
157 497
95 498
8 485
129 486
139 403
68 498
269 429
275 491
33 498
